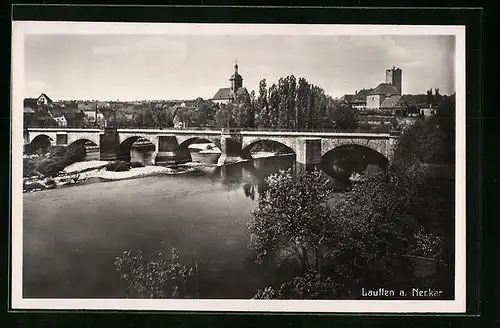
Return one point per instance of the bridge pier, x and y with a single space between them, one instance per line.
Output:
109 145
168 151
308 151
230 147
142 152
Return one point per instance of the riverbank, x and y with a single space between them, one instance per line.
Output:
94 171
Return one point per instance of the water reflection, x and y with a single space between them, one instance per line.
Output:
337 167
250 176
343 162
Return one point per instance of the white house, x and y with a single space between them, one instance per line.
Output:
43 99
61 120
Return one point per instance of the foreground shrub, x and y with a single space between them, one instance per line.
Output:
312 285
50 167
29 167
75 153
58 151
50 183
156 277
136 164
118 166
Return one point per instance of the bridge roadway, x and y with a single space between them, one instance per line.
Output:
171 146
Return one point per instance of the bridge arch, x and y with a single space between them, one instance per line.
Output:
40 142
82 149
379 145
344 160
125 148
209 155
282 144
77 137
184 144
83 141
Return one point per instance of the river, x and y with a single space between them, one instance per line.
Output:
72 235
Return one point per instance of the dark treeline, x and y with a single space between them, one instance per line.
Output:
287 105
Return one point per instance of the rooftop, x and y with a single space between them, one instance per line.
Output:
385 89
393 101
222 94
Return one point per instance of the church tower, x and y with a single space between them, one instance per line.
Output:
236 81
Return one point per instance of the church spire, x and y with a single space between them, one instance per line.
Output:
235 66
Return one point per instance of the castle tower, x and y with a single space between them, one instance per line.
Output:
394 76
236 81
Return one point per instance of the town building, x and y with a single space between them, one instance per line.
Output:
61 121
386 97
235 90
43 99
358 100
36 111
382 92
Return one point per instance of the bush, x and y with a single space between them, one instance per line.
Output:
58 151
312 285
118 166
156 276
50 183
29 167
136 164
75 153
52 166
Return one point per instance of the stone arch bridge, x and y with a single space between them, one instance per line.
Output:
171 146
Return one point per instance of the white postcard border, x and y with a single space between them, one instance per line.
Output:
22 28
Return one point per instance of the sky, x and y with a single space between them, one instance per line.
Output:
162 67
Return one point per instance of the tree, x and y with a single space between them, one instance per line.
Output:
224 117
43 117
282 102
137 120
291 102
303 93
162 117
252 110
101 122
423 142
273 113
262 106
297 105
446 121
154 278
430 97
342 117
437 97
205 114
147 118
374 227
186 116
86 123
242 111
291 218
311 106
122 120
